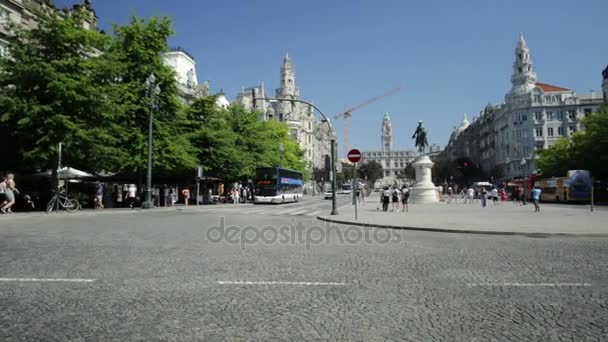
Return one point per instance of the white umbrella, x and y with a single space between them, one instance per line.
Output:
67 173
483 184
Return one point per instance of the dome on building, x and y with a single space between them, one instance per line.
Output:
463 125
222 101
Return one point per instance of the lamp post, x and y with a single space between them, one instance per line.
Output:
334 204
152 92
523 177
281 151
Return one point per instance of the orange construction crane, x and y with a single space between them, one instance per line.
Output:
346 115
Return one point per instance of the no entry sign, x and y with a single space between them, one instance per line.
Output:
354 155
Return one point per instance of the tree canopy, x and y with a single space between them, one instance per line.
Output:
587 149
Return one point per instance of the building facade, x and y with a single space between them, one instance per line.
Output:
23 14
392 161
505 139
313 135
184 65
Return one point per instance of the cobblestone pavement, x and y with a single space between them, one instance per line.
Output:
174 276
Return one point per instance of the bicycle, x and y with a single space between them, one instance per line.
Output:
70 205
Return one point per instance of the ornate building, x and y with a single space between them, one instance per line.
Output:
184 65
534 116
392 161
312 135
23 13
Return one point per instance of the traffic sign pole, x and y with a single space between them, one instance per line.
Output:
354 156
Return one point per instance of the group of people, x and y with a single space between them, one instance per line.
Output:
494 194
396 196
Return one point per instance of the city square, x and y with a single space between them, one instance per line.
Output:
292 172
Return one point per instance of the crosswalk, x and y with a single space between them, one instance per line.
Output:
310 208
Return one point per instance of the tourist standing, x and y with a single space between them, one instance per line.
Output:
386 197
186 194
99 196
131 195
395 194
470 195
503 196
405 196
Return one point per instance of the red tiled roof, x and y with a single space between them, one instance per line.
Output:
548 88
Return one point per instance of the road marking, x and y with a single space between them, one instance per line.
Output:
531 284
299 283
47 280
314 213
299 212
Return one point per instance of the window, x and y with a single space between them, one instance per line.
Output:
572 129
560 131
387 173
587 112
549 115
524 117
560 115
572 114
550 131
539 131
309 125
538 116
539 146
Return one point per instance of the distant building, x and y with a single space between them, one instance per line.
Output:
184 65
504 139
313 135
23 14
392 161
605 84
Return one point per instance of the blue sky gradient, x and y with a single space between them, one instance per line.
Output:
449 57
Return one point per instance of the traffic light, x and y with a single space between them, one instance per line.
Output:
465 164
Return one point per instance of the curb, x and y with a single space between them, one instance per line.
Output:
460 231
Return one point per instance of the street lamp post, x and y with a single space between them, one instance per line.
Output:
281 151
152 92
334 204
523 177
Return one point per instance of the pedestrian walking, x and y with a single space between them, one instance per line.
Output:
405 196
131 195
450 191
8 188
186 194
503 196
494 195
470 195
536 198
173 194
99 196
484 197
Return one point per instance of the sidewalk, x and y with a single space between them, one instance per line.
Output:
500 220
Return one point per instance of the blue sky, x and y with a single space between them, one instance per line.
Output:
449 56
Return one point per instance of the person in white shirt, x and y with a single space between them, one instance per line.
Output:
470 195
494 194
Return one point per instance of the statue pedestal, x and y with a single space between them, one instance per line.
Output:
424 191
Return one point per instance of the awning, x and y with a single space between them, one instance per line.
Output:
66 173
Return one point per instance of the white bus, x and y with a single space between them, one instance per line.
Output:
277 185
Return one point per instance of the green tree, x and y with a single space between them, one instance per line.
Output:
232 142
56 86
590 146
371 170
407 173
137 48
557 159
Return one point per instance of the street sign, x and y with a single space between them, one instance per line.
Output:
354 155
